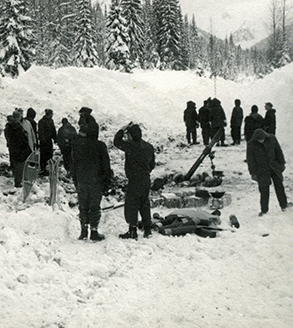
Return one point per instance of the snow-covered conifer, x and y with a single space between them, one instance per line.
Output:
86 53
131 11
168 33
150 56
16 37
118 54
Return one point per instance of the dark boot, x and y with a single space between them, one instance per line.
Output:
84 232
130 234
223 144
95 236
147 232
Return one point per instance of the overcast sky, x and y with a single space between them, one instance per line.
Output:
225 16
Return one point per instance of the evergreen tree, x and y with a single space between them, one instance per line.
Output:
169 34
99 20
117 48
61 45
131 11
193 45
86 54
150 57
16 38
183 57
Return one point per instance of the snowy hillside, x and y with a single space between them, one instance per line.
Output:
240 279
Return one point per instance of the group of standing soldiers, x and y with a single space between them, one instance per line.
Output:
87 161
24 135
211 117
265 157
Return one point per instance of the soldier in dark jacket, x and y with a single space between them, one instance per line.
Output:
266 162
191 122
203 114
10 119
236 122
30 116
252 122
65 138
18 145
47 133
270 119
85 117
91 174
139 162
218 120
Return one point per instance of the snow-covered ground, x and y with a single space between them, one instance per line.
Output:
49 279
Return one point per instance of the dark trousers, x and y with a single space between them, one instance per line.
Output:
215 130
46 153
137 200
66 152
265 193
206 132
18 172
191 133
89 200
236 134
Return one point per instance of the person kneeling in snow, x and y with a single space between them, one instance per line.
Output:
91 175
139 162
266 162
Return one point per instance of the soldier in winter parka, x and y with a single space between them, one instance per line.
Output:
266 162
270 119
252 122
236 122
91 175
190 118
18 145
217 119
30 116
139 162
47 133
203 115
65 137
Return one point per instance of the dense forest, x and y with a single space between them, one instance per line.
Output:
128 34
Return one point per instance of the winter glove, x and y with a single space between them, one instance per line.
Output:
282 167
254 177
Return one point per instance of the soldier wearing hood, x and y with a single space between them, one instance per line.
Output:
270 118
190 118
236 122
65 137
30 116
91 175
266 163
139 162
18 145
47 133
28 128
252 122
218 120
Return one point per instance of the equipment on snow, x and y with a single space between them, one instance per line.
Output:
112 207
182 221
204 154
53 179
234 221
30 173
